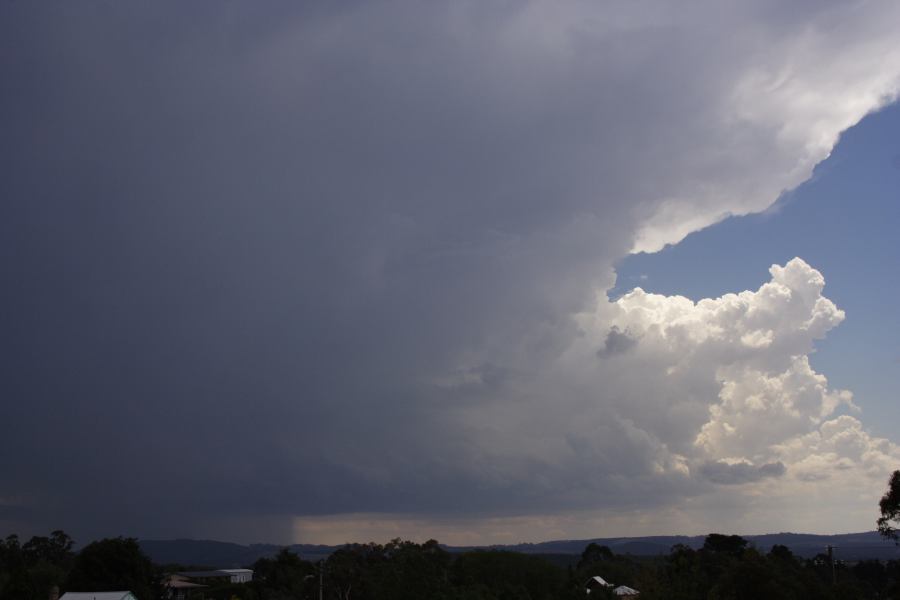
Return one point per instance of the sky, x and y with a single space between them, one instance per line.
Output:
480 272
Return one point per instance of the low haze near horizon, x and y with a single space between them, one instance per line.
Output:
284 272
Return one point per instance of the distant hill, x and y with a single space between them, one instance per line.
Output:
205 553
222 555
848 546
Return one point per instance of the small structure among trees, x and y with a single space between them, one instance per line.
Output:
219 575
98 596
596 582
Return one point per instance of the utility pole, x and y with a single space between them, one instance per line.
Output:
321 571
830 559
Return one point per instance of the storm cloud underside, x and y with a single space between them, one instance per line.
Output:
270 268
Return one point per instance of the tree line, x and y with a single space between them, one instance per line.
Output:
726 567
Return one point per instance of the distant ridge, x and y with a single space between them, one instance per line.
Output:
207 553
222 555
849 546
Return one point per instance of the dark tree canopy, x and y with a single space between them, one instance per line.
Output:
55 549
114 564
594 553
33 569
890 509
782 553
284 575
733 545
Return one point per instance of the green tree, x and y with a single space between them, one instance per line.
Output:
731 545
682 576
890 509
348 569
30 570
285 576
413 571
400 569
14 580
600 560
56 549
594 553
511 575
114 564
48 560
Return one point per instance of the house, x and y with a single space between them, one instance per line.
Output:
98 596
179 588
624 591
239 575
596 582
218 576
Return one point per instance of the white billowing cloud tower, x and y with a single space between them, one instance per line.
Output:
726 387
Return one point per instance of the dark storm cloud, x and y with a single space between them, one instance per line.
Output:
292 260
230 240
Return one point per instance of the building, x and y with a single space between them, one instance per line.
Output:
98 596
239 575
218 576
596 582
623 591
179 588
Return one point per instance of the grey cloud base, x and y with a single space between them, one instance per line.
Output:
268 262
723 472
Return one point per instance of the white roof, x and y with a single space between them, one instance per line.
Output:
600 580
624 590
237 570
98 596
